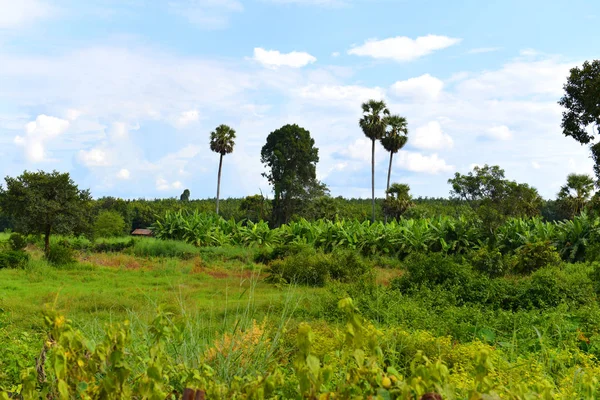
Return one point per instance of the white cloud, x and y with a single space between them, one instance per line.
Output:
187 117
16 13
424 87
73 114
275 59
402 48
349 95
431 137
93 158
518 79
206 14
535 165
37 133
501 132
162 184
335 54
417 162
123 174
480 50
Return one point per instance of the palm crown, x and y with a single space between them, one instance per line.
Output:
373 120
222 140
396 137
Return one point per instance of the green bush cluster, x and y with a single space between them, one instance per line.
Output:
14 259
61 254
17 241
315 268
108 246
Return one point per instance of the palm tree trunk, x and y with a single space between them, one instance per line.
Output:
388 181
219 182
373 180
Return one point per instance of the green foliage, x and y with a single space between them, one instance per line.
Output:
150 247
17 241
576 193
291 158
533 256
491 261
46 203
185 196
113 245
109 224
580 100
14 259
60 254
313 268
398 202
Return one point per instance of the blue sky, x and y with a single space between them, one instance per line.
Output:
124 93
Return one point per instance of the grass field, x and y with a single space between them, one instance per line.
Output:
217 296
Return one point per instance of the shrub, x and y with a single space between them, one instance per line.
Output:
109 224
490 261
431 270
265 255
150 247
61 254
314 268
14 259
17 241
533 256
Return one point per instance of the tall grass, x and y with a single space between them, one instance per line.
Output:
151 247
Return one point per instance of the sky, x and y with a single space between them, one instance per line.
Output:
123 94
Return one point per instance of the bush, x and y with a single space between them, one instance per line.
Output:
313 268
490 261
17 241
14 259
61 254
105 246
431 270
265 255
109 224
533 256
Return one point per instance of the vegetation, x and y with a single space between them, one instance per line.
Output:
222 140
109 223
45 203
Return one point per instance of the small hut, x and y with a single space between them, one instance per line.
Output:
142 232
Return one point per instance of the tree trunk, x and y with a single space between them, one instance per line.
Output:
389 175
388 181
373 180
219 182
47 240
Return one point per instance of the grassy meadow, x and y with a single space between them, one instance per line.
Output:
234 323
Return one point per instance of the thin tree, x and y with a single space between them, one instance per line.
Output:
395 138
222 140
373 125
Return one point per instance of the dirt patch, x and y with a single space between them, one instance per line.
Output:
114 260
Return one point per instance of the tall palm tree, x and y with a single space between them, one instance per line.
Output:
577 192
222 141
394 139
373 126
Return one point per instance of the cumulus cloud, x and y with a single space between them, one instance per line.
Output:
430 137
421 88
123 174
37 133
274 59
17 13
402 48
162 184
93 158
501 132
417 162
340 94
187 117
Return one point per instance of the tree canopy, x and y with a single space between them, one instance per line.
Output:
291 158
581 118
46 203
576 193
222 140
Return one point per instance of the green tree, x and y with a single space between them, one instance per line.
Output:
185 196
397 201
373 124
494 197
255 208
576 193
291 157
394 139
222 140
46 203
109 224
582 107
